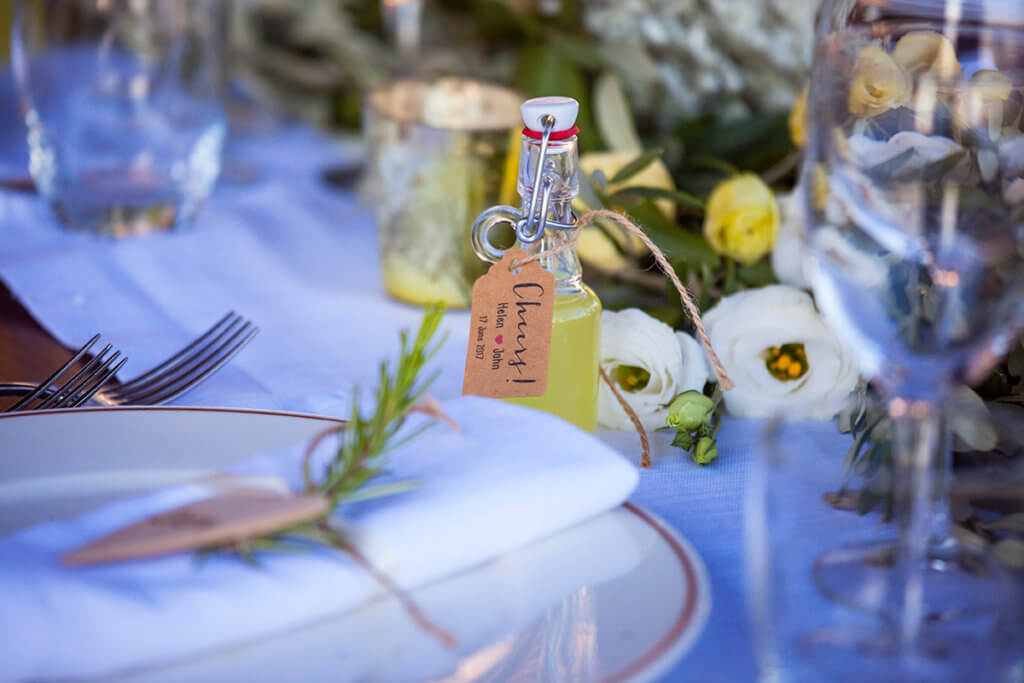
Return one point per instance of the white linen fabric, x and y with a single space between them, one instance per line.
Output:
493 486
296 258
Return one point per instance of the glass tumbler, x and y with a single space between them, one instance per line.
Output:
122 103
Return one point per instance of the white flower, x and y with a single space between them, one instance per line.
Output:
866 152
745 327
788 254
675 362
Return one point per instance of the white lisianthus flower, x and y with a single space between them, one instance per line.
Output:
780 355
660 364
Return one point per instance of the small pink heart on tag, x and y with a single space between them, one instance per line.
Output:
499 339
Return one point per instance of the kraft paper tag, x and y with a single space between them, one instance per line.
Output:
510 331
227 518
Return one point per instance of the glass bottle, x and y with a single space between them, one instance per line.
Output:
576 327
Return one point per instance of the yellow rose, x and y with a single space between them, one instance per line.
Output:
593 246
879 83
742 219
798 119
927 52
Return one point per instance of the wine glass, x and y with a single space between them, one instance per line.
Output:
913 184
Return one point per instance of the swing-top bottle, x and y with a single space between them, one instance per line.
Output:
547 183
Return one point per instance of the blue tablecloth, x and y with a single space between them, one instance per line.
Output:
264 226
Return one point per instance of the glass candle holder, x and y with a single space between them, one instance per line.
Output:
440 152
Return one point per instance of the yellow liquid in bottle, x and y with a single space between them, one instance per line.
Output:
572 366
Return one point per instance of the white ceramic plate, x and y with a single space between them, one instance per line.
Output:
575 606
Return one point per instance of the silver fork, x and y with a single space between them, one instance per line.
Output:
171 378
79 388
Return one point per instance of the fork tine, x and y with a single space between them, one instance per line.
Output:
65 396
172 372
142 379
205 367
55 399
45 384
87 393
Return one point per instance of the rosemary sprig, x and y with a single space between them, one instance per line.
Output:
364 440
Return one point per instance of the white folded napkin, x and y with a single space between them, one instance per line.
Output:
510 476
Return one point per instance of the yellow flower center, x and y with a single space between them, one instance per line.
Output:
631 378
787 362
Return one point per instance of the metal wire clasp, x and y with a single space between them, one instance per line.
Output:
529 228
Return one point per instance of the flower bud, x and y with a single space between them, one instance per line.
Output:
689 411
706 452
742 218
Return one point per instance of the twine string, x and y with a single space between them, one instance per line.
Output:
645 444
625 223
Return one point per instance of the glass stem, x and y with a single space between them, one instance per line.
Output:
920 447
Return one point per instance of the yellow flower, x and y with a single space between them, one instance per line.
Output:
742 219
593 246
798 119
927 52
879 83
985 102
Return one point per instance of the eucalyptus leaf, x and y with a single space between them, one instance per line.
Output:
588 193
1012 522
679 245
937 169
632 194
637 165
1010 553
890 167
614 117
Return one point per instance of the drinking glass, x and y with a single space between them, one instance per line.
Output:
121 99
813 490
439 152
913 184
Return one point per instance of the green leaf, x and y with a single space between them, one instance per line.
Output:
578 51
632 194
637 165
936 169
754 142
379 491
588 193
680 246
757 275
614 116
1013 522
544 70
889 167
